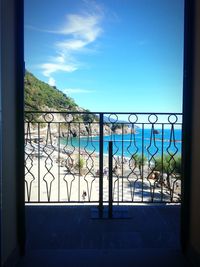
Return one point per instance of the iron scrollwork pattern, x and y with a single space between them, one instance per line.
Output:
62 160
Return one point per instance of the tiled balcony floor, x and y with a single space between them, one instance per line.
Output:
68 236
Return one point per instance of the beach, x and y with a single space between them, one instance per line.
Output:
54 173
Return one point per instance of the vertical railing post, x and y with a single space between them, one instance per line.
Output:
101 165
110 165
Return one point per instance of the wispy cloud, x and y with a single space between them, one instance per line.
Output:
52 81
70 91
49 68
82 25
77 35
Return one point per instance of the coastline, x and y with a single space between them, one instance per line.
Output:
51 171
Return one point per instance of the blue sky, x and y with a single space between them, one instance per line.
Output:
109 55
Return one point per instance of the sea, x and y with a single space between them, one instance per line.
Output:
147 142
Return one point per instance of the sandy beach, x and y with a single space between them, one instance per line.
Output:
56 175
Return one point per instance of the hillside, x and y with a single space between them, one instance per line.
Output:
39 96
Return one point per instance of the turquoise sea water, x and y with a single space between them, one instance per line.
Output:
128 144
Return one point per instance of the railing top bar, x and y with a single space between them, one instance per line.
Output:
125 122
106 113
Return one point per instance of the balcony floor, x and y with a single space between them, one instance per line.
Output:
68 236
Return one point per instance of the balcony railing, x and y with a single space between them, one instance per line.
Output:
67 159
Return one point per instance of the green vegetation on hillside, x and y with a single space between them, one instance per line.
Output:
39 96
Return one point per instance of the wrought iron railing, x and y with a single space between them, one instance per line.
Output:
67 161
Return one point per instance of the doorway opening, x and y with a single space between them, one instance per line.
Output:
122 162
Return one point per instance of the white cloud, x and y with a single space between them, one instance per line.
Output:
60 58
85 26
80 31
71 44
49 68
52 81
77 91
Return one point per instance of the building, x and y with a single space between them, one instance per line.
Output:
12 151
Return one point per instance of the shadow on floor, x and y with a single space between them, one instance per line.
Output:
68 236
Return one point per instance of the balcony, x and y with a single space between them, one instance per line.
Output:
67 158
124 168
68 236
